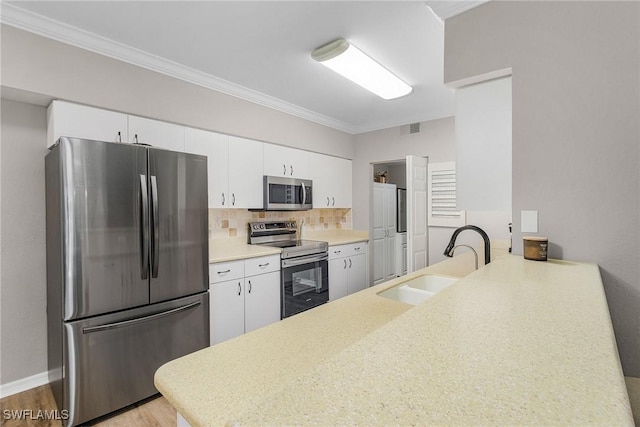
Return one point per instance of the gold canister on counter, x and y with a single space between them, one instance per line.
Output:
535 248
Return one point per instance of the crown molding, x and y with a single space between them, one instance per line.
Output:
445 9
32 22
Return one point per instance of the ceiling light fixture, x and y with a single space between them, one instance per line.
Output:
350 62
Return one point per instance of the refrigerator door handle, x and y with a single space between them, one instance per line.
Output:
155 247
144 226
131 322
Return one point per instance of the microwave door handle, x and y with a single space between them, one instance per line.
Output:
304 194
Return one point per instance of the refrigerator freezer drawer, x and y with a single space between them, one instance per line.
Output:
110 360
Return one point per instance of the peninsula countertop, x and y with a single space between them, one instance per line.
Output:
516 342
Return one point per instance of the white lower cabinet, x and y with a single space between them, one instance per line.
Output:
347 269
239 303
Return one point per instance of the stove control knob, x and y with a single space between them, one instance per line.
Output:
255 226
262 226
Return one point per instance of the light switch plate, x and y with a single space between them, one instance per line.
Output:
529 221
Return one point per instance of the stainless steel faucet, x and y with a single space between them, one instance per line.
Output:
487 247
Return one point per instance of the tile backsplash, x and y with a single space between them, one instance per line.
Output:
233 222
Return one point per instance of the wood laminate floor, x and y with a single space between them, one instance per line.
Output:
152 412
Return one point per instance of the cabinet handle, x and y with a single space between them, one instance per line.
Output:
333 201
327 201
222 199
336 252
345 264
233 199
356 249
263 265
291 170
119 137
135 138
239 288
284 169
250 286
224 272
349 262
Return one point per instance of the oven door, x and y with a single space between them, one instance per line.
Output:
287 193
305 283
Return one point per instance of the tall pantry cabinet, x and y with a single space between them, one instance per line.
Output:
384 232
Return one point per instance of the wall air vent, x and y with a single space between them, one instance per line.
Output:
414 128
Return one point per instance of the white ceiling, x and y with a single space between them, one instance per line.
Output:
260 51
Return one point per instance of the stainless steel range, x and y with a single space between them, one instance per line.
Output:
304 276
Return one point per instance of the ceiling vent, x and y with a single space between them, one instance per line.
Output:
414 128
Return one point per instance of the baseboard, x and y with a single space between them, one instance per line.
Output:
24 384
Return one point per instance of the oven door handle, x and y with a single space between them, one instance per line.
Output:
304 260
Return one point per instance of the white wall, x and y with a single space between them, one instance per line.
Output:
23 281
46 67
576 133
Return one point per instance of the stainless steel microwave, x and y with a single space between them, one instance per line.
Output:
287 194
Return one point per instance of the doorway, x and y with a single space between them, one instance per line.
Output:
398 212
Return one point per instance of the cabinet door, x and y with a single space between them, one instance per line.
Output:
227 310
341 183
245 173
261 301
390 225
79 121
320 173
216 147
379 234
156 133
276 161
298 163
338 278
357 273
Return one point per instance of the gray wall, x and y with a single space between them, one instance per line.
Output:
43 66
576 131
22 249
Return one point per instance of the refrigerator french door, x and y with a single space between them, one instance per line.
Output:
127 270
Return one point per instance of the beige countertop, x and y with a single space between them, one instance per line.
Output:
234 248
517 342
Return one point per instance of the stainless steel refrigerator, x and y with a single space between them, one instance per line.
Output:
127 270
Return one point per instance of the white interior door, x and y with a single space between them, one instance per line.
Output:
417 231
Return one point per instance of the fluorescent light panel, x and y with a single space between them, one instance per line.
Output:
350 62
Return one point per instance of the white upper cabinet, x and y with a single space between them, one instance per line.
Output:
234 168
156 133
80 121
331 181
216 147
245 173
285 161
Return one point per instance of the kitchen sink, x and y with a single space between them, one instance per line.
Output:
417 290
